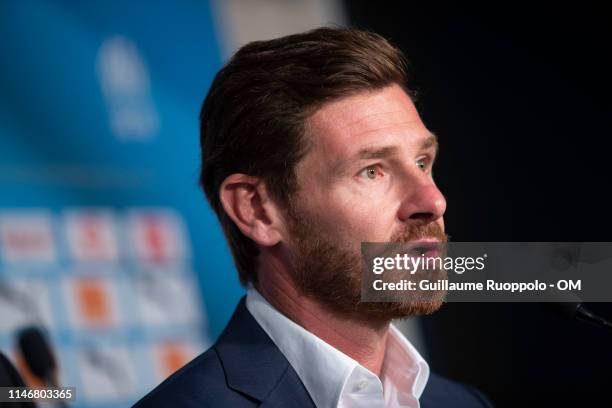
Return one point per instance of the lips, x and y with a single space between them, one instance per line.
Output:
428 248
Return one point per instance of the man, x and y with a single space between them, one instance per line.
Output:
311 145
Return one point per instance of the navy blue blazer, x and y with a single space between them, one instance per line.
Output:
245 369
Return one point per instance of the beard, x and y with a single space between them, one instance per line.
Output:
330 272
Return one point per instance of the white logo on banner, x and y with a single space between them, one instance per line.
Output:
92 302
124 80
157 236
92 235
24 302
27 236
107 372
166 298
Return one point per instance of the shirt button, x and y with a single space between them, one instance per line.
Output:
362 384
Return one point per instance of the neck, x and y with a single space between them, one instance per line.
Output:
362 340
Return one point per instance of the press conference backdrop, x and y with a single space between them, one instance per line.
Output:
105 239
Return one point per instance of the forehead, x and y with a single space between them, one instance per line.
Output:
381 116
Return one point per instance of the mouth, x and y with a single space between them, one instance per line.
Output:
429 248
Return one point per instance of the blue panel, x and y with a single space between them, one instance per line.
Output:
99 106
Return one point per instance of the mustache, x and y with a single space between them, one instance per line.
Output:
420 231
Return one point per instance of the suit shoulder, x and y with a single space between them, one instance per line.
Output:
200 383
442 392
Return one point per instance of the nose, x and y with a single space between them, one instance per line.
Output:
423 203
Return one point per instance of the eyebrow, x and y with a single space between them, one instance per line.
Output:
376 152
369 153
430 141
386 151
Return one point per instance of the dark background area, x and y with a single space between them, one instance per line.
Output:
520 100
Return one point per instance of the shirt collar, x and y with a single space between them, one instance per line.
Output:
404 363
326 372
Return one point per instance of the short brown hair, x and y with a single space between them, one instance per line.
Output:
253 118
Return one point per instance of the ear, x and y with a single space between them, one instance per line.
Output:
246 201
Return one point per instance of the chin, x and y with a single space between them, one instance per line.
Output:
399 310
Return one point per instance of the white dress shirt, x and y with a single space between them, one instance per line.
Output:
332 378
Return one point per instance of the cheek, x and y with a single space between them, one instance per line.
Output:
358 219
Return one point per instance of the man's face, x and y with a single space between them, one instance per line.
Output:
366 177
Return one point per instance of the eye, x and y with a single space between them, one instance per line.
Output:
371 172
422 163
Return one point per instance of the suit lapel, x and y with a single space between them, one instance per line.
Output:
254 366
289 392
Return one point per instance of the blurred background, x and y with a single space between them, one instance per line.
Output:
107 242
